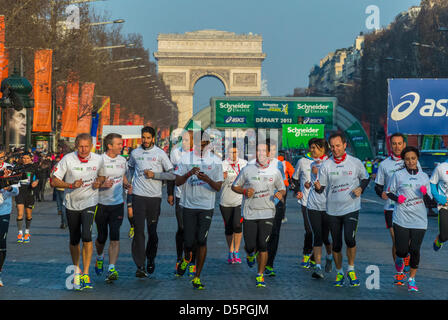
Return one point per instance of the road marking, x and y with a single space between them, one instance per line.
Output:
23 281
52 261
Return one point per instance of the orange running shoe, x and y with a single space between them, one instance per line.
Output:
20 238
407 268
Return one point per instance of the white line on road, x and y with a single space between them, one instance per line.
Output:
371 201
23 281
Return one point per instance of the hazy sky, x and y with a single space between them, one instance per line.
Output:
296 33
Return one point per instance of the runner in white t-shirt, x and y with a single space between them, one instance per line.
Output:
150 165
316 207
80 173
386 171
439 190
174 194
261 184
230 204
109 216
344 178
410 189
200 173
302 179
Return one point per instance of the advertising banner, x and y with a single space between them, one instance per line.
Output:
296 136
70 113
42 91
85 108
359 141
234 114
273 113
417 106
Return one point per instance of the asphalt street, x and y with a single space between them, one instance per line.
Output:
38 270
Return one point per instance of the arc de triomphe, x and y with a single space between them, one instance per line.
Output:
234 59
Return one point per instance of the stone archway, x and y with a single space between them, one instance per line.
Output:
234 59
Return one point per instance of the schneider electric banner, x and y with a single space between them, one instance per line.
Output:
270 112
418 106
297 135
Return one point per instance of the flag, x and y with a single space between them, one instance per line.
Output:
85 108
42 90
70 113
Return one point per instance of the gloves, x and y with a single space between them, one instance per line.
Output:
401 199
423 190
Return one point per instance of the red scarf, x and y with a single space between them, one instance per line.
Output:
393 157
341 159
262 166
324 157
83 160
233 167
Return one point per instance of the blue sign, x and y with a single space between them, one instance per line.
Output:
417 106
311 120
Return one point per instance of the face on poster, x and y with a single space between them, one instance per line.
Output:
17 127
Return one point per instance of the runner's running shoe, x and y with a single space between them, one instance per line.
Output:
312 264
399 279
251 259
112 275
260 281
412 286
77 282
339 282
437 245
141 273
197 284
191 270
230 258
328 265
99 268
1 282
177 265
354 281
181 268
131 233
236 257
318 274
20 238
305 261
26 238
150 266
269 271
85 282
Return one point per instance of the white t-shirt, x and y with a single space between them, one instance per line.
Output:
386 171
316 201
70 169
228 197
154 159
114 169
439 177
339 181
412 213
198 194
175 156
264 181
302 173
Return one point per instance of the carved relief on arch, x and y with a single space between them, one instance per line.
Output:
223 75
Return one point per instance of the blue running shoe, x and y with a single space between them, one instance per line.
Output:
85 282
99 266
312 264
236 257
339 282
251 259
437 245
412 286
191 270
354 281
230 258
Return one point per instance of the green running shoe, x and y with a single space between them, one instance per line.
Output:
197 284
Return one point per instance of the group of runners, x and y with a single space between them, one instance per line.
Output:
103 188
